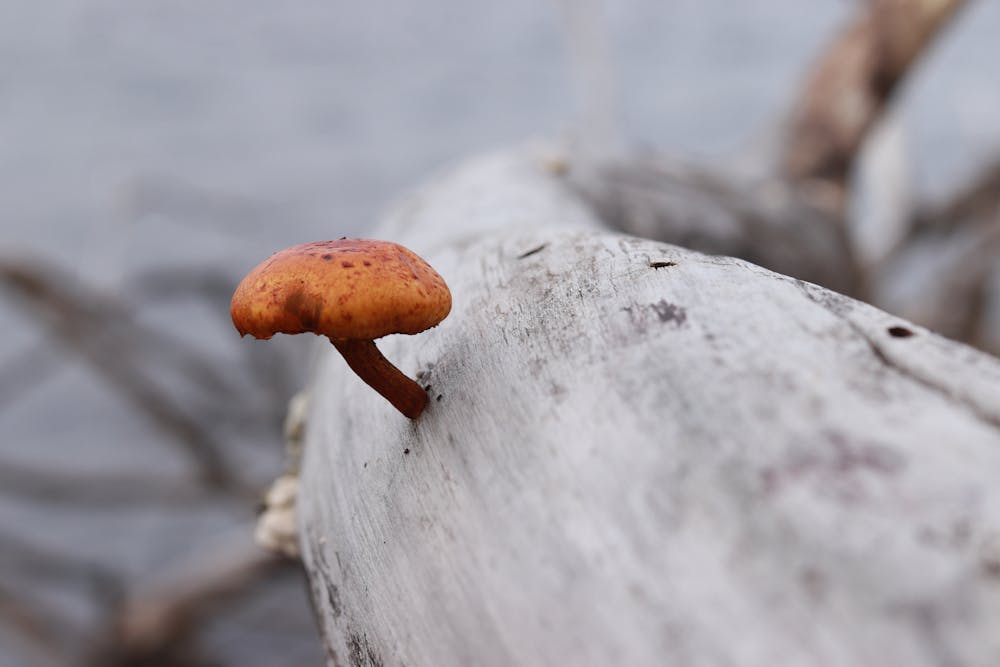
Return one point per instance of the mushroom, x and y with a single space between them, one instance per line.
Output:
352 291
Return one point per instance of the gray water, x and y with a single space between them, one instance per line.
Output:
182 133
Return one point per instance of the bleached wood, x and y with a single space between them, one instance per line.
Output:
636 454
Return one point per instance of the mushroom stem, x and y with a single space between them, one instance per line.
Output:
364 359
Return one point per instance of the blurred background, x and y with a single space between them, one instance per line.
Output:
152 152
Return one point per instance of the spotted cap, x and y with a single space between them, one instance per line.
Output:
356 289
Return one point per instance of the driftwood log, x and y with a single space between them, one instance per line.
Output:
637 454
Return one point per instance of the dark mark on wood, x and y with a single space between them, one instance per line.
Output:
333 596
315 588
533 251
439 397
900 332
641 315
661 265
840 464
815 583
406 451
360 653
989 557
668 312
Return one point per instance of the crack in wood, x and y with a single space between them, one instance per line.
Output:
883 357
533 251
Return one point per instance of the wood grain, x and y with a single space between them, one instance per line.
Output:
637 454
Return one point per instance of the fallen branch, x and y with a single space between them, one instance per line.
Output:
852 84
102 333
160 622
110 491
643 455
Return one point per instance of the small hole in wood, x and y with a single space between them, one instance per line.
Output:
661 264
406 451
439 397
900 332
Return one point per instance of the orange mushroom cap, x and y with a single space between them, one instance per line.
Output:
356 289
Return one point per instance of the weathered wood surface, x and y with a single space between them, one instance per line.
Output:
636 454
